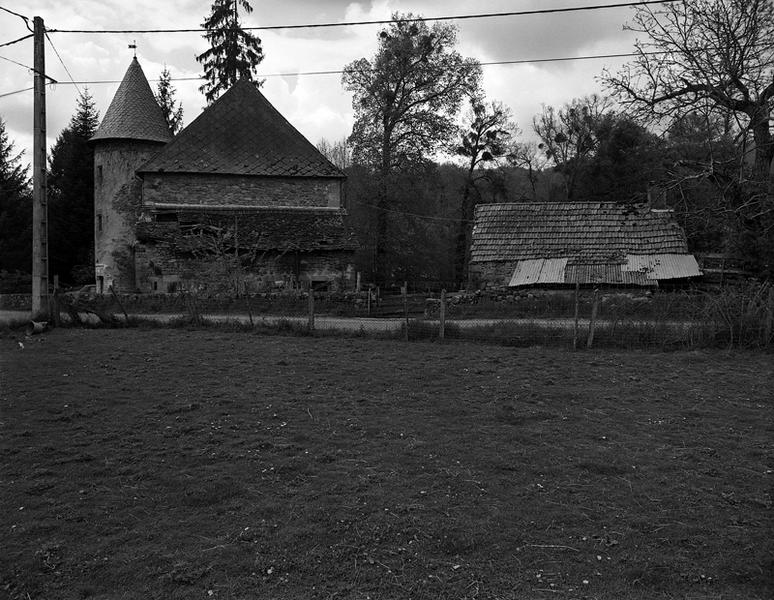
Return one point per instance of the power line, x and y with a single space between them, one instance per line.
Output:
15 14
10 60
15 92
29 68
17 40
410 214
521 13
80 93
340 72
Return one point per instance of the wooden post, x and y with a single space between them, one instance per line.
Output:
54 309
39 194
442 317
369 302
121 306
405 309
357 282
311 306
592 323
575 329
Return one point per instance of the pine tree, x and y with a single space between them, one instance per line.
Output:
15 208
71 196
165 96
234 53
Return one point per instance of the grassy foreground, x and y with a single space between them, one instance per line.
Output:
212 464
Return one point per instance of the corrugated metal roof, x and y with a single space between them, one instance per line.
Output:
241 133
134 113
663 266
534 271
608 274
559 271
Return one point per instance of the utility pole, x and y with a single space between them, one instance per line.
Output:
40 306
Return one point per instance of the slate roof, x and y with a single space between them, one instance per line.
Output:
241 133
134 113
582 232
263 229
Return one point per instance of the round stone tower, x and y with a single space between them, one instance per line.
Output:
131 133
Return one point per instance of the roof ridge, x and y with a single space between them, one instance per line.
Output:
242 133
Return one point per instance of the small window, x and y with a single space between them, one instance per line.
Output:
155 286
99 174
99 222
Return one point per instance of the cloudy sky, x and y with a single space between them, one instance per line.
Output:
316 104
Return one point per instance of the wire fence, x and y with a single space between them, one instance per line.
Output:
738 317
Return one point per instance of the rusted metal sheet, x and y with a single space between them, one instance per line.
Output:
604 274
538 271
662 266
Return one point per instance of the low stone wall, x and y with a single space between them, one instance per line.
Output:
15 302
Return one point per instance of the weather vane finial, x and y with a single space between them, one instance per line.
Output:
133 46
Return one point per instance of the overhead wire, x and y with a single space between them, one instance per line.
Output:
519 13
80 93
340 72
17 40
10 60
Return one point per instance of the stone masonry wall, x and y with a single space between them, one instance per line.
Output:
205 189
159 270
491 273
116 208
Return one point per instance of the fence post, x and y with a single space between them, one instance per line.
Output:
592 323
121 306
442 317
54 310
575 330
249 308
405 308
311 307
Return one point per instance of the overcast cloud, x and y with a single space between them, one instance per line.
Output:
316 104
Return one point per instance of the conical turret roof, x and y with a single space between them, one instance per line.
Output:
241 133
134 113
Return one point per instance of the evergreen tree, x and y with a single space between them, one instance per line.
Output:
233 54
165 96
71 197
15 208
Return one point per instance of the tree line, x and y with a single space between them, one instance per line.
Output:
686 125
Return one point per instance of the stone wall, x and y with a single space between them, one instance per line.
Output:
116 208
186 188
160 270
491 273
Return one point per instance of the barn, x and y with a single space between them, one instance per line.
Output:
560 244
239 200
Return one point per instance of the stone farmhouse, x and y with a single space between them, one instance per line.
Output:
239 199
560 244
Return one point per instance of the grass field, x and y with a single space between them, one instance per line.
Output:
212 464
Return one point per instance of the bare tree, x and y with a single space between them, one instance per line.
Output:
529 156
568 136
485 140
339 153
717 53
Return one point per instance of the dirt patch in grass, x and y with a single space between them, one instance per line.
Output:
210 464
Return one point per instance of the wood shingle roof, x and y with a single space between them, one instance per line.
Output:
582 232
134 113
241 133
